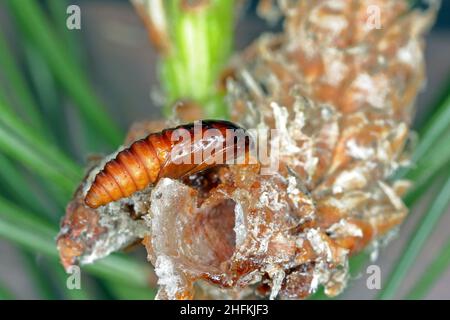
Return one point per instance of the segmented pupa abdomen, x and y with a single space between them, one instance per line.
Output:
149 159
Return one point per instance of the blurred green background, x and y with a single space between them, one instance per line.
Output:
67 94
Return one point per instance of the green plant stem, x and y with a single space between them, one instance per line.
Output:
416 242
32 21
431 274
200 45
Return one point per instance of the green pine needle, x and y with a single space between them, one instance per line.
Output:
32 21
13 76
32 233
432 273
416 242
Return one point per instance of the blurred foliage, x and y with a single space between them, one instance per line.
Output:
37 169
36 153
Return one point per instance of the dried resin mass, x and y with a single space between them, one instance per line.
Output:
341 96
